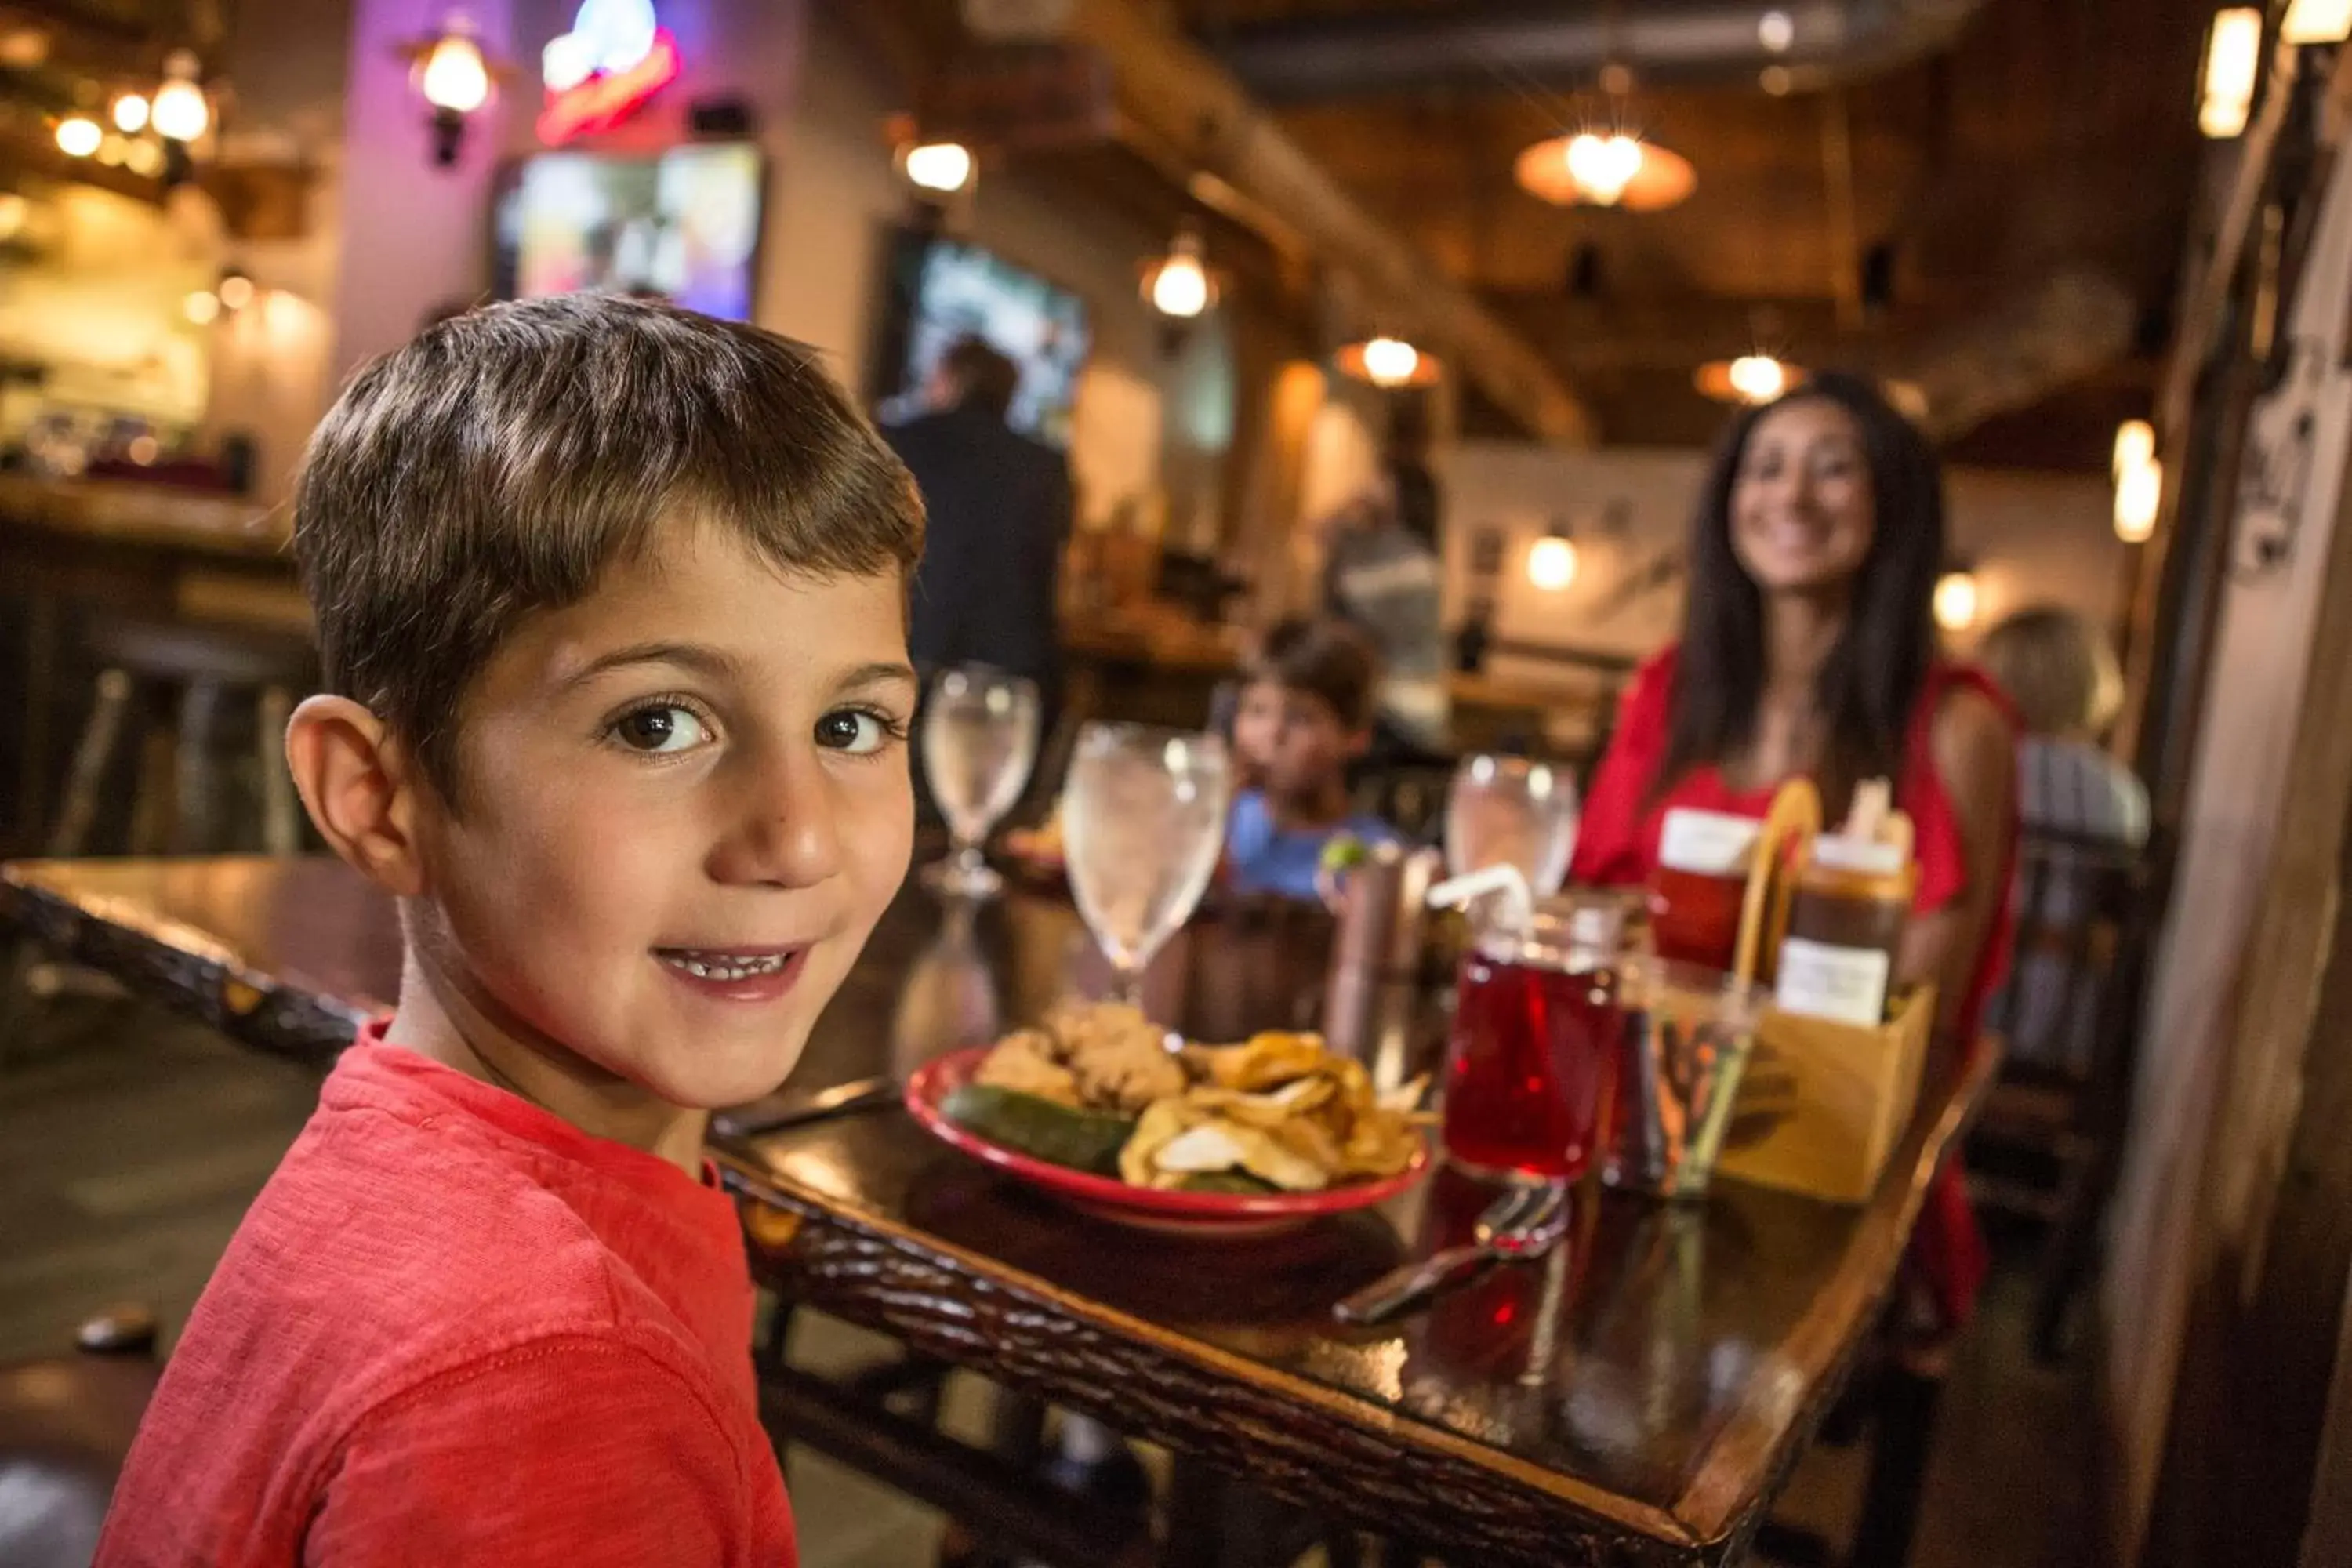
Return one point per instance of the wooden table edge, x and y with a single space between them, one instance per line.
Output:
1718 1501
762 1186
197 971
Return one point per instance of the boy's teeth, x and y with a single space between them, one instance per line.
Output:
719 966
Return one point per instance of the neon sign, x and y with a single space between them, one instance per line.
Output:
616 56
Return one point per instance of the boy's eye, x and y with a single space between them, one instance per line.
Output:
855 730
659 728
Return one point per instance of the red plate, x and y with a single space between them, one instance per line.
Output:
1195 1213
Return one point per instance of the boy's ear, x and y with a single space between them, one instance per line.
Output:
360 788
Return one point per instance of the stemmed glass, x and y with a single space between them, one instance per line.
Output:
1143 821
980 740
1512 811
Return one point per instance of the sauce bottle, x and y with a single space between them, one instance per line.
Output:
1845 924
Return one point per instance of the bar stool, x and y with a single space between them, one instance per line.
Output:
203 666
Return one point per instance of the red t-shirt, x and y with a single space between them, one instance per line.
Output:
456 1329
1617 843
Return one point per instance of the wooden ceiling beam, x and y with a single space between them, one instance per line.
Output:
1189 101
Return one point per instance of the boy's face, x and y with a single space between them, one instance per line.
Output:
682 804
1292 744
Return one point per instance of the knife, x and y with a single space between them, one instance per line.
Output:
778 1112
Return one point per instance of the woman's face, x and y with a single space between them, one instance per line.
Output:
1802 515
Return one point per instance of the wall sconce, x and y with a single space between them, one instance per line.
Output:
2139 495
1552 560
1956 598
939 168
2135 447
2317 22
2233 64
450 72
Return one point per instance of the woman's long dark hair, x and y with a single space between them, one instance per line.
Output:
1872 678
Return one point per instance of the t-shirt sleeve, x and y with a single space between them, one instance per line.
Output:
1609 851
579 1452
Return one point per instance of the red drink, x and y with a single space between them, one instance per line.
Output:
1531 1064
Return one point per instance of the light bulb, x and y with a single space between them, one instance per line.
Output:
1956 601
1179 287
180 112
1759 378
1776 31
237 290
1551 564
79 136
2134 446
455 77
131 114
1391 362
201 307
942 166
1603 166
2233 60
2140 494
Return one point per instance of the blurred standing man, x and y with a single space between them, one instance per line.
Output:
999 515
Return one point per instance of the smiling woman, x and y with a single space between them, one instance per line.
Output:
1809 650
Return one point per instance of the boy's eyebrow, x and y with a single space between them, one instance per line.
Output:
703 660
872 674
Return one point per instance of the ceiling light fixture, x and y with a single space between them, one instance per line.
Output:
1605 169
79 135
1178 286
1752 378
1388 363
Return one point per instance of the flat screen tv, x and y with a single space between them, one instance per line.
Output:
939 289
681 225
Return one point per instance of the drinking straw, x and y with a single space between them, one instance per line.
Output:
1519 900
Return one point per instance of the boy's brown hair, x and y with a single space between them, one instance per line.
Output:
495 465
1323 657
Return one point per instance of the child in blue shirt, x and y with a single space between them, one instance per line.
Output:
1305 713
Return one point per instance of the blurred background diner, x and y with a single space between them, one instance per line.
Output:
1472 425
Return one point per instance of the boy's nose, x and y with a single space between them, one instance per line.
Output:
792 836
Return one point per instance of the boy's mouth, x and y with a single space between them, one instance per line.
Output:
735 974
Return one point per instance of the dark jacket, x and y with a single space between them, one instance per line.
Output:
1000 514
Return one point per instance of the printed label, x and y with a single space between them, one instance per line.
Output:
1707 843
1847 984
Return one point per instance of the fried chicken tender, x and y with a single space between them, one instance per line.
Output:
1120 1056
1023 1062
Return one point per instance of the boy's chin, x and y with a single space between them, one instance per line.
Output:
715 1086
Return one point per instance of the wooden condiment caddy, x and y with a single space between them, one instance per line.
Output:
1822 1102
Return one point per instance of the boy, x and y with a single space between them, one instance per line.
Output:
1305 713
610 600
